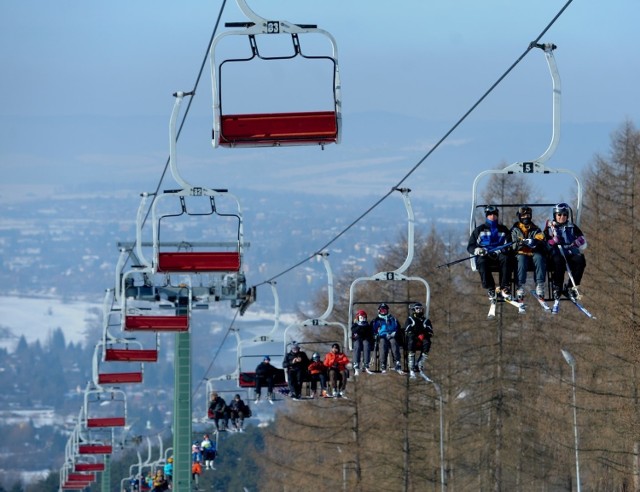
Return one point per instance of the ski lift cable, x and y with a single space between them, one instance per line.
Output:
215 356
532 44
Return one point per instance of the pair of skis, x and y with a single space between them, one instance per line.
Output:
543 304
556 305
494 302
576 304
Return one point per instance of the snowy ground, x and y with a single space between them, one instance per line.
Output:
37 318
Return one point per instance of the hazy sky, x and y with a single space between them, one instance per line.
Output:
87 89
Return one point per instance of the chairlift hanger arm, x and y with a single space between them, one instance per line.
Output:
410 230
556 91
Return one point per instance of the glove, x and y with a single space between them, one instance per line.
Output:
580 241
390 336
553 241
421 337
528 242
480 252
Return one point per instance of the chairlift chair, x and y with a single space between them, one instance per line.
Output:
274 128
260 345
92 440
84 464
191 261
118 349
162 315
211 270
70 480
535 167
94 416
320 321
210 388
132 475
147 303
93 446
101 377
233 377
397 275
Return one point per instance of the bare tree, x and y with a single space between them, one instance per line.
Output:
508 411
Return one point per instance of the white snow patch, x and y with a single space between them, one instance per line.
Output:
37 318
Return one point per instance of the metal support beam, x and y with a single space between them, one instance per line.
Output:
105 480
182 413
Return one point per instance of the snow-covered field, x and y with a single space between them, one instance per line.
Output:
37 318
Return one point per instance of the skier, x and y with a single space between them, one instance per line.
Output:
567 242
336 363
218 412
317 374
362 336
531 247
386 331
296 362
485 237
418 333
265 375
238 410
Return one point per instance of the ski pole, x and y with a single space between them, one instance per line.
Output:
566 262
488 252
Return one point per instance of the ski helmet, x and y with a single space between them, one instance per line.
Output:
524 211
491 209
361 316
561 208
524 214
383 309
315 356
417 308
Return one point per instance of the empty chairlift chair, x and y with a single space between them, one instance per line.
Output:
104 407
108 376
275 128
